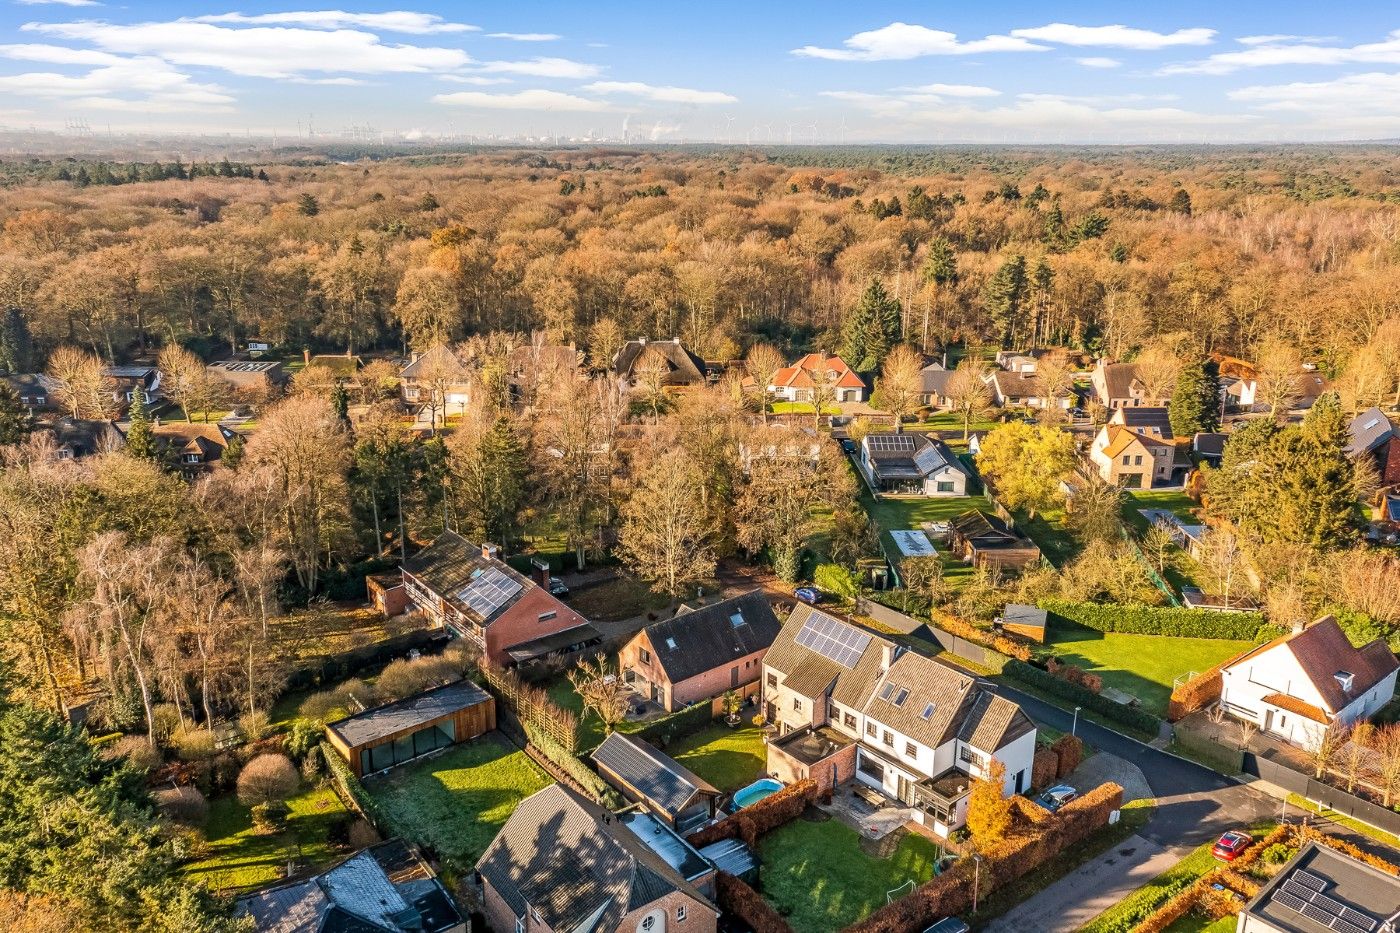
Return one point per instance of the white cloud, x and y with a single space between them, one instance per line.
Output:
536 99
332 82
1278 38
58 55
259 51
1118 36
131 84
902 41
953 90
1386 52
1099 62
545 68
661 95
58 2
477 80
1097 100
1375 92
525 36
397 21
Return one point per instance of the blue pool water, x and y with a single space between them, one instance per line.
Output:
748 796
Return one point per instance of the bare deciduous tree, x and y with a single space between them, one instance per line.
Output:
666 534
80 383
762 365
599 685
967 393
901 383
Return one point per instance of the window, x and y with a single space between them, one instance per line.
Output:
911 750
965 755
849 720
888 738
546 616
671 644
888 692
944 485
870 729
648 923
797 704
680 914
191 458
519 925
1127 460
928 712
1137 461
644 655
773 681
871 768
901 696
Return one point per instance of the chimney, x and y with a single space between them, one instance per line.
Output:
347 353
490 551
887 656
642 341
306 355
539 570
1299 625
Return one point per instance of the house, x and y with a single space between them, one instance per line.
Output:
196 446
986 541
35 390
1322 890
849 704
912 464
561 862
434 385
260 378
933 386
388 735
536 363
1019 361
1371 435
666 362
75 438
795 383
387 888
700 653
1242 391
782 442
1135 449
512 618
1301 685
1209 446
1118 385
124 380
678 797
1022 388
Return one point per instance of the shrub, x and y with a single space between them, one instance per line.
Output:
1005 644
737 898
338 828
362 834
1069 751
138 752
223 772
401 679
581 774
1127 715
837 580
269 817
182 805
254 725
1091 682
1198 692
192 743
1276 854
311 765
763 817
187 843
267 779
1134 619
303 736
351 790
165 718
325 706
1045 768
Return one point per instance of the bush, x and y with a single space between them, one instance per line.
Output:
311 765
362 833
254 725
267 779
1069 752
223 772
187 843
1134 619
737 898
763 817
138 752
402 679
1126 715
1002 643
269 818
303 736
1198 692
1045 768
192 743
165 719
1276 854
182 805
672 726
837 580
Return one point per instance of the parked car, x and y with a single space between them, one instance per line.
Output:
809 595
848 445
557 588
949 925
1229 846
1057 797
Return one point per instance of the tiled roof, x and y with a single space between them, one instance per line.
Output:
684 367
451 563
710 636
440 357
1368 431
1295 705
1322 650
650 773
1119 440
993 723
928 683
1118 379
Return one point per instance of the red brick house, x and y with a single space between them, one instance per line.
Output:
701 653
470 591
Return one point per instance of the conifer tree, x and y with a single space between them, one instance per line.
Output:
16 344
1003 296
140 442
1195 402
941 266
15 423
872 329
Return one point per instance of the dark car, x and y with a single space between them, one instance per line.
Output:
557 588
848 445
809 595
949 925
1229 846
1057 797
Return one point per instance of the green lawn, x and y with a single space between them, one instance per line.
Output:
1143 665
818 876
1195 923
239 859
800 408
457 803
1181 568
898 514
952 421
727 758
1048 530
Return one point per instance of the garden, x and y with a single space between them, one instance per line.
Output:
727 758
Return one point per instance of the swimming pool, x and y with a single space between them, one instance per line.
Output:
763 787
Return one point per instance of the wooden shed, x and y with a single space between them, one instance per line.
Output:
1026 621
394 733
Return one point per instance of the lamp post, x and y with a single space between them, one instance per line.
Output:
976 879
1074 726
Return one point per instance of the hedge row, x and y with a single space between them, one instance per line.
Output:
763 817
1133 619
1004 644
737 898
1181 903
950 893
1044 769
662 732
580 773
1198 692
351 790
1069 751
1127 715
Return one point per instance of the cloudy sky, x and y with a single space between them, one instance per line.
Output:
754 71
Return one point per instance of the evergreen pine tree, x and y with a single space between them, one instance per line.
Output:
871 330
503 475
16 344
1195 403
15 423
233 452
140 442
340 401
1003 296
941 266
308 205
1181 202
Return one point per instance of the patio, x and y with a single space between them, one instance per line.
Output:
851 804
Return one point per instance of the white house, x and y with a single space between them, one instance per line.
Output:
912 464
1300 685
852 704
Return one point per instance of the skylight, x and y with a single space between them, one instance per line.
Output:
901 696
888 692
671 643
737 619
927 713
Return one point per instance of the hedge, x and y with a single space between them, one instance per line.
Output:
1070 752
763 817
737 898
580 773
351 790
1135 619
668 728
1045 768
1198 692
1043 680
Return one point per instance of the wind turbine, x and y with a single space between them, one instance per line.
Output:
729 121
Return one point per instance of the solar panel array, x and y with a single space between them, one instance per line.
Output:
489 592
1302 893
929 459
889 443
833 639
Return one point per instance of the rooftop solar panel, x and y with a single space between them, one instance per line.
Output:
1318 914
1344 926
833 639
1308 880
929 459
1293 903
1365 921
489 591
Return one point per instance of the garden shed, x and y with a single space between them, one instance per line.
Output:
397 732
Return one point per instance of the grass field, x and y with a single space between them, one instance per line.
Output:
1181 568
1143 665
898 514
240 859
727 758
818 876
457 803
800 408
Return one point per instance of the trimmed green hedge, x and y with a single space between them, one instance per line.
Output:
573 767
1132 619
351 787
662 732
1043 680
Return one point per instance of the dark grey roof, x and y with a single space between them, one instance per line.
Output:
451 563
1209 444
86 437
1021 614
1118 379
575 863
1329 883
584 634
1368 430
684 367
934 379
908 455
406 714
981 528
442 357
1149 421
709 637
645 772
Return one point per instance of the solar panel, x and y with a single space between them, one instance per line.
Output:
1318 914
1365 921
491 590
1298 890
889 443
929 459
1288 900
833 639
1329 904
1308 880
1343 926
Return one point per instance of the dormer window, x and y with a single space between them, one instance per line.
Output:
1346 679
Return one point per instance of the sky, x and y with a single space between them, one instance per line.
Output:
711 70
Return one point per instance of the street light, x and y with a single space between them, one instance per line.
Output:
976 879
1075 725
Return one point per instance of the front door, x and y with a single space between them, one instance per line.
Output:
906 790
1021 781
771 712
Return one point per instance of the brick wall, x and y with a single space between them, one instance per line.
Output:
827 773
717 680
521 622
698 917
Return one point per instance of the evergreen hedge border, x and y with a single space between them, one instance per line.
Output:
1136 619
1043 680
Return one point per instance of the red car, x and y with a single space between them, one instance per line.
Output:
1229 846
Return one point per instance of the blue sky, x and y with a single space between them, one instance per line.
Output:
728 71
